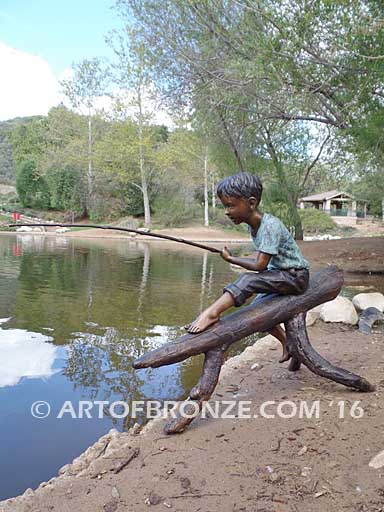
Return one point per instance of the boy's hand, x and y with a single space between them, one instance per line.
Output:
226 254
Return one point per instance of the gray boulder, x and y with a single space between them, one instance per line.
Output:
363 301
339 310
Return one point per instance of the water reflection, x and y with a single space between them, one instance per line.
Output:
25 354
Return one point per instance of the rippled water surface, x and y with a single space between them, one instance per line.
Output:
73 315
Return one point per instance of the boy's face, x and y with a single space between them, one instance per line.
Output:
239 209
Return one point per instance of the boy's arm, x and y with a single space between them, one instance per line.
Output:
259 262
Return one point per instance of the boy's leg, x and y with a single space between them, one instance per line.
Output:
236 293
211 315
276 331
279 333
281 282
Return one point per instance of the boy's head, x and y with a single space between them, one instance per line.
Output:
240 195
242 186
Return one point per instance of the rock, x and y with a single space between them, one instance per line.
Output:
112 433
339 310
311 317
115 493
64 469
135 430
363 301
378 461
25 229
153 499
302 451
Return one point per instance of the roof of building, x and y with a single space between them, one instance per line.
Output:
326 195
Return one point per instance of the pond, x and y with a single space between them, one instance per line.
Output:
73 315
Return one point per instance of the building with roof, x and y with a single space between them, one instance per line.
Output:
336 203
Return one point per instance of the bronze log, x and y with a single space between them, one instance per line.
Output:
213 362
301 349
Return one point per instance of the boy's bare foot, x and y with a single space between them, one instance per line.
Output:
285 357
202 322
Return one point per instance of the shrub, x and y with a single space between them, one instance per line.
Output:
31 188
177 212
316 221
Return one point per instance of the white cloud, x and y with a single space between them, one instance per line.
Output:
25 354
28 86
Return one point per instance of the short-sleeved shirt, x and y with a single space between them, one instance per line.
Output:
273 238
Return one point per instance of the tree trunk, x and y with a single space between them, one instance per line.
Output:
213 191
299 233
206 214
90 167
144 186
300 347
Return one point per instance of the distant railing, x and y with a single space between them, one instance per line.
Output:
339 212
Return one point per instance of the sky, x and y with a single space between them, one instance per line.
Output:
39 41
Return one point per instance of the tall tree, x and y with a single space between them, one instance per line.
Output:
132 77
186 159
83 89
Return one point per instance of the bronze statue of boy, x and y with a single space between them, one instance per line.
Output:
278 268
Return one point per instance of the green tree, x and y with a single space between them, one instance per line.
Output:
117 154
31 187
185 159
130 72
83 89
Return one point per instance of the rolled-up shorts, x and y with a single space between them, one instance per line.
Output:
267 283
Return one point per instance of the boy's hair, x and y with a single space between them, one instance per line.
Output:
240 185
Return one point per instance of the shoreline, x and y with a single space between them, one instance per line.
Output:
219 236
356 255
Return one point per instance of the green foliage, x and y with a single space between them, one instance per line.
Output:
369 186
7 172
176 211
28 140
31 188
316 221
66 189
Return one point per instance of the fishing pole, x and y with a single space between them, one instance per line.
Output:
129 230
